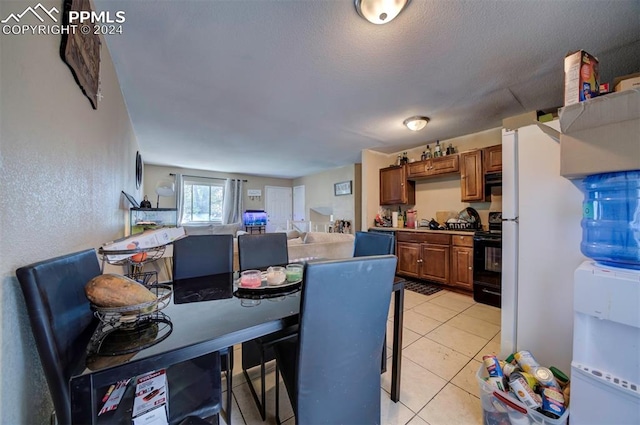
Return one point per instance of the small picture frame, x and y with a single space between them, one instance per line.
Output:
342 188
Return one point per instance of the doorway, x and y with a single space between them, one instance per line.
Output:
298 203
278 205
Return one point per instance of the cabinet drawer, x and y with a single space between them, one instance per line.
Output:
462 240
432 238
437 238
410 237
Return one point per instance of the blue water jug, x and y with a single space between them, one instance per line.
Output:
611 219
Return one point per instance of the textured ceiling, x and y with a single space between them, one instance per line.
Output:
289 88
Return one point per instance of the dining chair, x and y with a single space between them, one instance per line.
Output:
259 252
62 324
202 255
332 369
373 243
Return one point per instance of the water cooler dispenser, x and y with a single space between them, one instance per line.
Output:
605 371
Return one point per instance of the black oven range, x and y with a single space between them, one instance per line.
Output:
487 262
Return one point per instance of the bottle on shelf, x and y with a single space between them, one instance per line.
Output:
423 156
427 152
450 149
437 151
404 218
400 218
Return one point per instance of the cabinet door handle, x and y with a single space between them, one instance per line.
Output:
470 268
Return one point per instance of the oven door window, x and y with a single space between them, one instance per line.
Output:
493 259
487 262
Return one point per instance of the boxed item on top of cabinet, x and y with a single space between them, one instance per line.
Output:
627 82
600 135
581 77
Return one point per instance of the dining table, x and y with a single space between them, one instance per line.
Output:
202 315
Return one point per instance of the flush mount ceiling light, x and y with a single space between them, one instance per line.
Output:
416 123
380 11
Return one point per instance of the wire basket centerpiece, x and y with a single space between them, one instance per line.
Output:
135 258
134 313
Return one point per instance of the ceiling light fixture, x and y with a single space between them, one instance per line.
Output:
380 11
416 123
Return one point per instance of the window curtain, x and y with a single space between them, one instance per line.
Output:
232 202
179 197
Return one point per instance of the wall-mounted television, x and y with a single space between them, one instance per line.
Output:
254 218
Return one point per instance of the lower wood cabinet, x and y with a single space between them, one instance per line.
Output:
435 262
409 257
462 261
437 257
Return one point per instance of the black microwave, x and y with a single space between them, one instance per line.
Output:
493 179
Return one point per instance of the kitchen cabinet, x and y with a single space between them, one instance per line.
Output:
408 258
424 255
448 164
462 261
395 189
435 262
471 176
492 159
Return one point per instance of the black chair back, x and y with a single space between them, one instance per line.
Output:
373 243
264 250
202 255
61 319
343 315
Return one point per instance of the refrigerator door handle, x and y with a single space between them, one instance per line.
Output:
510 220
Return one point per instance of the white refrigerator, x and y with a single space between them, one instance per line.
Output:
541 236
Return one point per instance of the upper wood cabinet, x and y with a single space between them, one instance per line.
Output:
493 159
395 188
471 176
433 167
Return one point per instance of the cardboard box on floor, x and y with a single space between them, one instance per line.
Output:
601 135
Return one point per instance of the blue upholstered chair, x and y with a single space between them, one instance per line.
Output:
203 255
332 369
62 323
373 243
259 252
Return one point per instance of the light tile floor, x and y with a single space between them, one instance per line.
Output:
444 338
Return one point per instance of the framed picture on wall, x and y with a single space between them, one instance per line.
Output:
342 188
80 50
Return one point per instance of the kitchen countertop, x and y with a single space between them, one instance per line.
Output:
423 230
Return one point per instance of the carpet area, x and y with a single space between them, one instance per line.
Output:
421 287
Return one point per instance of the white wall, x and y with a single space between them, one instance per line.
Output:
63 166
372 162
319 193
